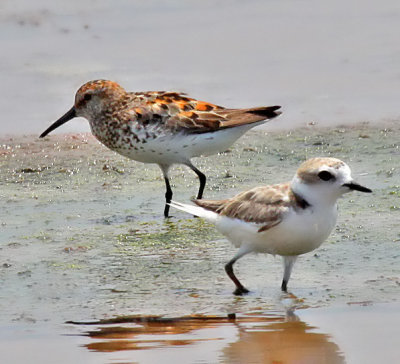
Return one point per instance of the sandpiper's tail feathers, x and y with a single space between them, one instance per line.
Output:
237 117
266 111
195 210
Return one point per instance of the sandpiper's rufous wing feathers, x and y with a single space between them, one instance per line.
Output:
262 205
198 121
179 112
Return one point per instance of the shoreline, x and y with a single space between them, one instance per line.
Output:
270 127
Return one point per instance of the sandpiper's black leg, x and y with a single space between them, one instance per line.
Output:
284 286
202 179
168 197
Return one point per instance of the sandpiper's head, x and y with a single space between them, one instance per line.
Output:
324 179
91 99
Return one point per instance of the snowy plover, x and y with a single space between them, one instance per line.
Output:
287 219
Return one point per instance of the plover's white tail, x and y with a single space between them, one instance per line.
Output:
195 210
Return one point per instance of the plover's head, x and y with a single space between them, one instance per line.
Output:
324 179
92 98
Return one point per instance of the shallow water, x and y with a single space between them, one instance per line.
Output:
326 62
363 333
83 238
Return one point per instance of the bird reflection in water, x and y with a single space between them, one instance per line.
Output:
249 338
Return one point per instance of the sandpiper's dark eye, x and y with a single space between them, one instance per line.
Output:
325 175
87 97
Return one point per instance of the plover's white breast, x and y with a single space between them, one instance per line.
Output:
299 232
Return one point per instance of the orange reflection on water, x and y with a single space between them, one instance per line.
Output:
246 339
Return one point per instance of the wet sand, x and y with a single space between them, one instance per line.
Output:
83 239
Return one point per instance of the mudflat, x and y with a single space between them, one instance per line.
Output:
83 239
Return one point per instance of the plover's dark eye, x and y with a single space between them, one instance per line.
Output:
87 97
325 175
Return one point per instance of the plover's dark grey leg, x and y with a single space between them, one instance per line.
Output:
240 289
288 262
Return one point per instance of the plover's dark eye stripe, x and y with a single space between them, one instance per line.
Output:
326 176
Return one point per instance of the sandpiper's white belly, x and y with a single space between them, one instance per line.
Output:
297 234
158 146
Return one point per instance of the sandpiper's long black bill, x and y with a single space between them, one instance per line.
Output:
357 187
70 114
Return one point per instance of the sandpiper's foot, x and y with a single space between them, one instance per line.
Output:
240 291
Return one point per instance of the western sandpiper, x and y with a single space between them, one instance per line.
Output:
160 127
286 219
